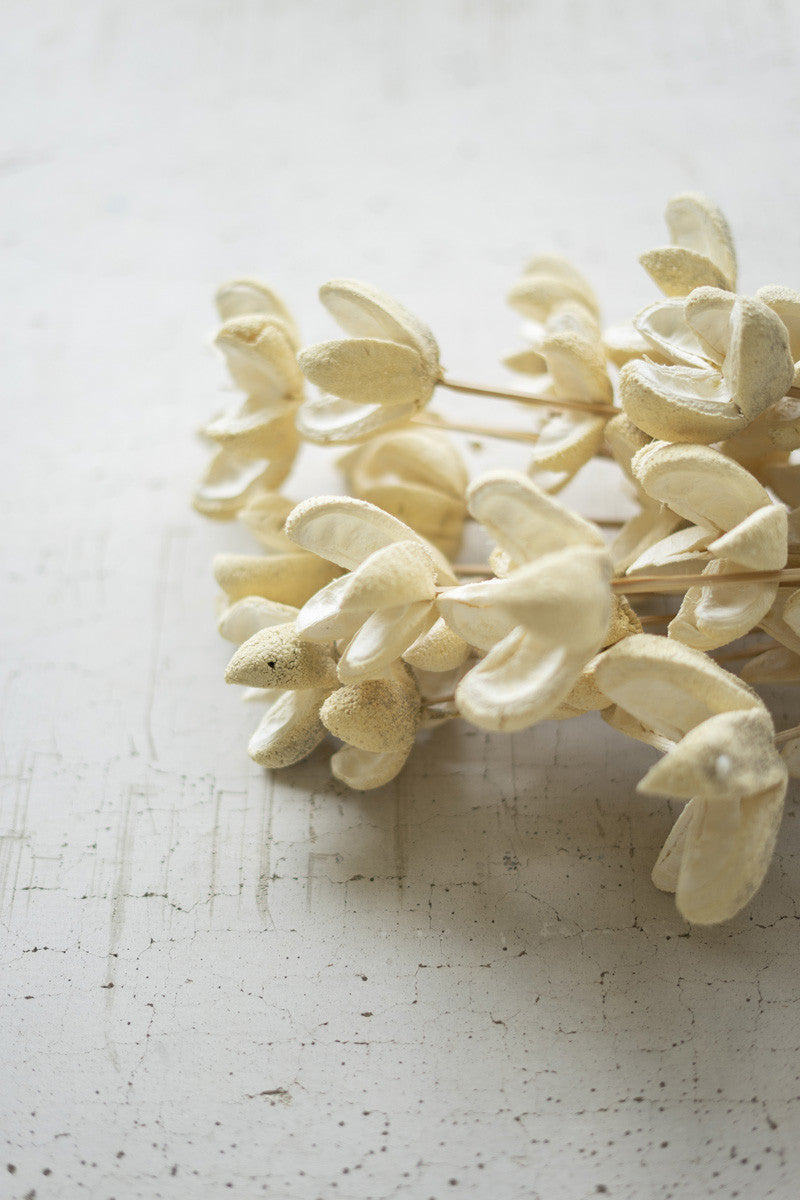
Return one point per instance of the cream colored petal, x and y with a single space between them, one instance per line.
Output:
419 456
471 612
784 480
230 479
759 542
289 730
663 325
525 362
550 281
384 637
623 439
264 514
259 430
567 442
523 519
517 684
727 756
646 529
363 311
700 484
368 371
563 598
321 618
285 578
438 649
777 627
250 297
727 853
669 687
375 715
714 615
624 342
678 271
785 302
773 666
684 546
260 356
436 517
278 657
758 367
577 367
678 404
708 313
781 424
668 864
329 420
343 529
239 621
790 609
395 575
697 224
362 770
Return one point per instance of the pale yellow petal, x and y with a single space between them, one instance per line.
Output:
696 223
289 731
759 542
364 311
700 484
285 578
375 714
278 657
369 371
679 404
677 270
240 620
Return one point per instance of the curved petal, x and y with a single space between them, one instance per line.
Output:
759 542
260 430
700 484
395 575
668 864
369 371
436 517
517 683
678 271
472 613
289 730
264 514
758 367
668 687
285 578
230 479
562 598
321 618
548 282
664 326
329 420
364 311
363 770
344 530
577 367
239 621
384 637
727 853
249 297
717 613
679 404
732 754
419 456
708 314
260 356
785 302
773 666
523 519
698 224
566 442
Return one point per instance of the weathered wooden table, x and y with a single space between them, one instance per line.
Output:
216 980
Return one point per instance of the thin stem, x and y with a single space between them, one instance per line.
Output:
483 570
681 583
509 435
479 389
786 735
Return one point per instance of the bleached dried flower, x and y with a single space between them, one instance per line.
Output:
729 360
735 525
378 377
353 624
417 475
387 601
257 438
544 620
702 252
723 761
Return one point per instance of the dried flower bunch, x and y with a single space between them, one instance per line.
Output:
356 620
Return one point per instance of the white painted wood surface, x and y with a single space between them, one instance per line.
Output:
219 982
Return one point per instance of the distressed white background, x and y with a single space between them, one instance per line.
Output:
216 982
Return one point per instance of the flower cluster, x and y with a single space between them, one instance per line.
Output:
357 621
